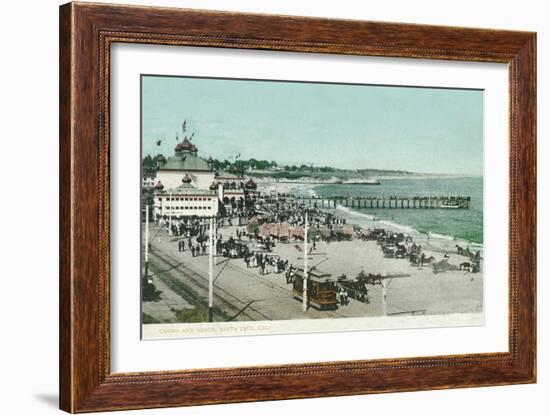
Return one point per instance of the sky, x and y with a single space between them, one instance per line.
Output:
346 126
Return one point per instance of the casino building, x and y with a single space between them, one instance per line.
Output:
187 185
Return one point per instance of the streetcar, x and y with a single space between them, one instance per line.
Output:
321 289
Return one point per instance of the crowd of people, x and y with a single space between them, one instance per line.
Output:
193 236
187 227
294 213
231 248
266 262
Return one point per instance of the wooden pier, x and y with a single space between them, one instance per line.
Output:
392 202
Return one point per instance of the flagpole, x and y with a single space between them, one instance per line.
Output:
305 279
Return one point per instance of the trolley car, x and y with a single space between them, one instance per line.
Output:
321 289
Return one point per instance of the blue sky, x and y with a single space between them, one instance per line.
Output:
346 126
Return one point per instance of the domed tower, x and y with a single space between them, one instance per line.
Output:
161 161
214 185
210 162
185 161
159 186
186 179
186 146
251 185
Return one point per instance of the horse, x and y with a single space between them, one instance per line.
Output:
459 250
426 260
374 279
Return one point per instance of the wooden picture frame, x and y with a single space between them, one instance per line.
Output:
86 33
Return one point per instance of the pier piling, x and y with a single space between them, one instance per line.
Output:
385 202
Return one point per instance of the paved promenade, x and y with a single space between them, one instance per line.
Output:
240 292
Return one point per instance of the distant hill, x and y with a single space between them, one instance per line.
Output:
339 174
271 169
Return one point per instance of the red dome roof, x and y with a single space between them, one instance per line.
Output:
251 184
186 145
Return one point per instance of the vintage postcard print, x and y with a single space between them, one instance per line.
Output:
274 206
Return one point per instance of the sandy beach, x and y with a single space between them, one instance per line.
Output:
442 293
421 292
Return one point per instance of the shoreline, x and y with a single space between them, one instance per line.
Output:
437 242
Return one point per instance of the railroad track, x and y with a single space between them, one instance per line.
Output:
287 292
222 298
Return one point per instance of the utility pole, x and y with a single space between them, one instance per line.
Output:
170 214
385 298
305 279
146 242
211 271
385 281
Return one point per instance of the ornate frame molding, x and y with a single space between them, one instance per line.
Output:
86 34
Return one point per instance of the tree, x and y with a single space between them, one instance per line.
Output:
149 163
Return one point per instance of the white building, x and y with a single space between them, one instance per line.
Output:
184 201
187 185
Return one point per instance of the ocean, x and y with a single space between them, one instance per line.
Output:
460 225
